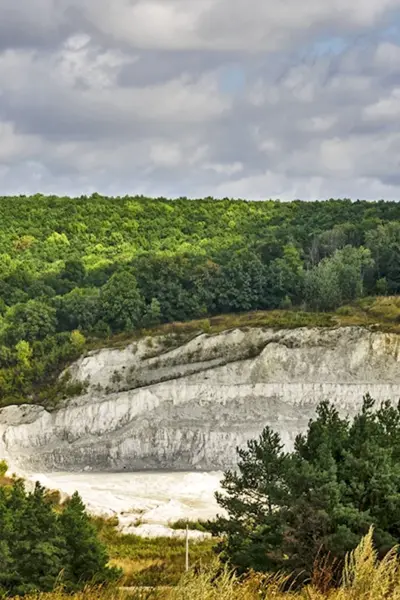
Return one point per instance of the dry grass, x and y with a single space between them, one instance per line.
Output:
364 578
151 561
382 312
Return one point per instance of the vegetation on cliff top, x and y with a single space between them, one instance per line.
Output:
76 271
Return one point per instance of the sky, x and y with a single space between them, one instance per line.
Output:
248 99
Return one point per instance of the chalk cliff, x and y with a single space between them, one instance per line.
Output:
170 403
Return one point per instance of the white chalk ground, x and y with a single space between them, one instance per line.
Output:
144 502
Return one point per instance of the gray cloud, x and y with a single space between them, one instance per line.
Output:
185 98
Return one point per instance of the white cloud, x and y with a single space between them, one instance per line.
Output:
386 108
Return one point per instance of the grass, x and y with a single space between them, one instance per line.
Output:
382 312
364 578
151 561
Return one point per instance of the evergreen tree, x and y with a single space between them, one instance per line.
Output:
37 545
341 478
254 528
86 557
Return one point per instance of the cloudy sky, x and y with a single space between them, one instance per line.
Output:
239 98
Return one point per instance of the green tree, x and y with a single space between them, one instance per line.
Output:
384 243
74 271
121 302
253 532
31 321
37 547
24 354
152 314
86 557
78 339
342 477
7 563
41 546
337 279
79 309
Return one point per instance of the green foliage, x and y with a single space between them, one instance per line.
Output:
122 302
286 508
78 309
198 525
106 266
31 321
86 558
24 355
41 547
337 279
3 468
78 339
152 314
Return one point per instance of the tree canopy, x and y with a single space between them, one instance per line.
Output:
41 547
286 508
107 266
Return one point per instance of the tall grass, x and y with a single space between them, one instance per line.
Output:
363 578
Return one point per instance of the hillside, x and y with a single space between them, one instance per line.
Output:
184 401
76 273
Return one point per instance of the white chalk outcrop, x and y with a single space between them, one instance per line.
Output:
166 403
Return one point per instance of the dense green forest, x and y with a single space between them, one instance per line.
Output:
73 269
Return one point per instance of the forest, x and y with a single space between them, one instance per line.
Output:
74 270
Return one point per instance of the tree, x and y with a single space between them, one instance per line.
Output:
24 354
384 243
31 321
7 563
74 271
253 530
341 478
337 279
86 557
41 546
37 545
121 302
152 314
78 339
79 309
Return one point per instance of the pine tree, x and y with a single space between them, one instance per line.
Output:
341 478
254 529
87 558
37 547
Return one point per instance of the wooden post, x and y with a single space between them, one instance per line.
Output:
187 547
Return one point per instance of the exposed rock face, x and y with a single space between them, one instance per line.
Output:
150 406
